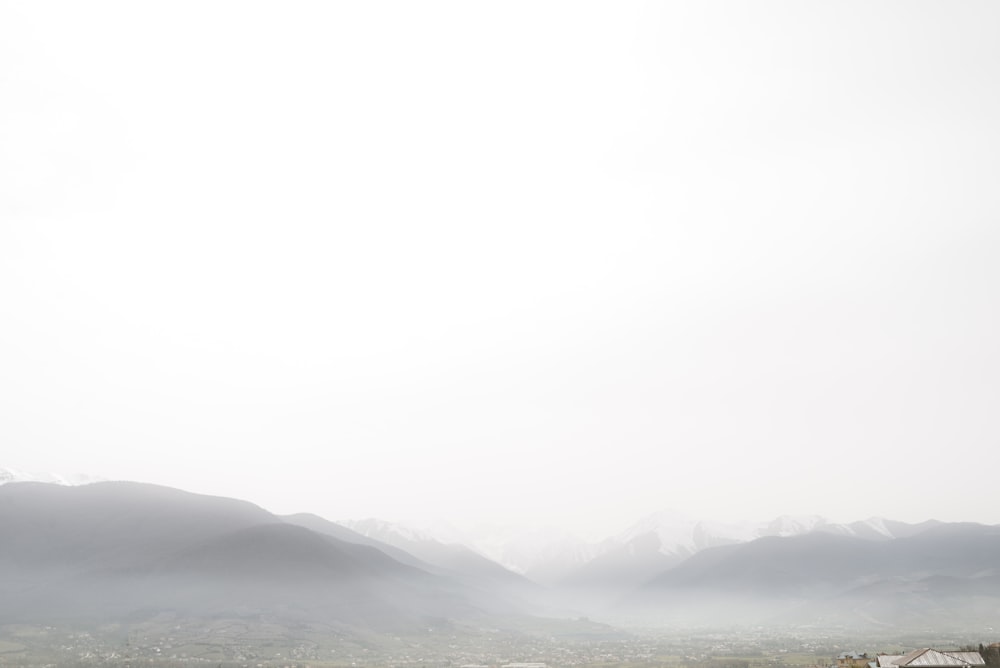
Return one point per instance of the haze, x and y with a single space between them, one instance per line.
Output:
526 263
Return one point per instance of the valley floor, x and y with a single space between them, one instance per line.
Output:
259 644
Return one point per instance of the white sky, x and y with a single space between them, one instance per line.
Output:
528 262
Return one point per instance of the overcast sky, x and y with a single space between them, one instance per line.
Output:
537 262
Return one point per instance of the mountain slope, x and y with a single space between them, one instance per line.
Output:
112 523
494 582
453 558
667 539
341 532
948 568
117 550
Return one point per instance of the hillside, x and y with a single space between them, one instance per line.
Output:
945 570
121 550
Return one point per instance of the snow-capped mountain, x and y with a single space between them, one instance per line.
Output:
890 579
540 554
663 540
15 475
452 556
677 534
650 546
387 532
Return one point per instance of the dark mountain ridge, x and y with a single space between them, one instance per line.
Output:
116 550
949 569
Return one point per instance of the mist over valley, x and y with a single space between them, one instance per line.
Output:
114 558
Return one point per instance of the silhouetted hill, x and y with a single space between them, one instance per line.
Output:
775 565
666 539
118 550
106 524
282 552
945 568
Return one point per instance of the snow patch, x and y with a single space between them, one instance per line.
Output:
15 475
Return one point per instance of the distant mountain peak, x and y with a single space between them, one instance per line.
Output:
679 534
794 525
878 525
387 531
16 475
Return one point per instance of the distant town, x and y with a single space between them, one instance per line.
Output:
242 644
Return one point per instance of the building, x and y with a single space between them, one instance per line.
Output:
852 660
930 658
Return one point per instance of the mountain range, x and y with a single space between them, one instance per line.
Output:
933 573
123 550
115 550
